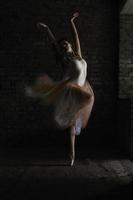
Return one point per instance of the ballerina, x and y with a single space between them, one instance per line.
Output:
72 97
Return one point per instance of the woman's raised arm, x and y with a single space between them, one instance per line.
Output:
40 24
77 48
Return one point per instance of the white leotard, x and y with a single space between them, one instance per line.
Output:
82 68
76 69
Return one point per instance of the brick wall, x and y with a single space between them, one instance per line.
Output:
126 77
26 52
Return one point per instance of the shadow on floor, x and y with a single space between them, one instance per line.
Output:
45 173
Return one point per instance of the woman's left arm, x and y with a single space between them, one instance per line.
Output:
75 36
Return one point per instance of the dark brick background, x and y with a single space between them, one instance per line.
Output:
26 52
126 80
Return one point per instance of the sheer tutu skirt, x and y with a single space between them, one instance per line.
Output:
72 104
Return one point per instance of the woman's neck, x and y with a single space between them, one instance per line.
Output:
72 55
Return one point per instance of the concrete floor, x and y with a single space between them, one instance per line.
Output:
32 173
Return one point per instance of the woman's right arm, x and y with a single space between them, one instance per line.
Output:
40 24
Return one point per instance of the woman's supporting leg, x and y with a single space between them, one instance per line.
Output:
72 144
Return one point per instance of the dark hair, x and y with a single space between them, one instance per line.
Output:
62 39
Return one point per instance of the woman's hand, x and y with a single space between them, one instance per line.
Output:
75 15
40 24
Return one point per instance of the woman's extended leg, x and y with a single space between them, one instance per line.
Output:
72 144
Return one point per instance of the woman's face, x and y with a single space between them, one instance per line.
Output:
66 46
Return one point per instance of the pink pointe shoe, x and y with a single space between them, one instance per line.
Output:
72 160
